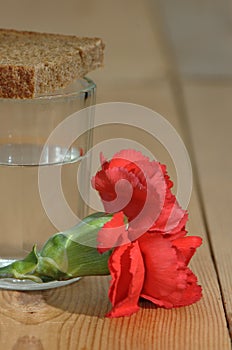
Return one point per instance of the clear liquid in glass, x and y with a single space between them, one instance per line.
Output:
23 220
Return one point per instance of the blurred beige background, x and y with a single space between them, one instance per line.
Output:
125 26
198 31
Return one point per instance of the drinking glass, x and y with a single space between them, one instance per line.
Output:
25 126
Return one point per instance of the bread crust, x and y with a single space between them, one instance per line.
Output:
33 63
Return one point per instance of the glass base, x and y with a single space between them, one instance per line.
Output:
28 285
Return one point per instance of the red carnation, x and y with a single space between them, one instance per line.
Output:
151 252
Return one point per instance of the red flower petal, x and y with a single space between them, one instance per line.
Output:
127 271
113 233
187 246
103 185
192 293
127 158
168 281
134 185
172 218
122 186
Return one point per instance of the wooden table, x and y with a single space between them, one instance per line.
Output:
151 62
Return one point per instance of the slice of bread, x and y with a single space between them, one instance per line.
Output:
34 63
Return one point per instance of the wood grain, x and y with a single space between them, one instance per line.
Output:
209 111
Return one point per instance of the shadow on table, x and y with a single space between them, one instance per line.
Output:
88 296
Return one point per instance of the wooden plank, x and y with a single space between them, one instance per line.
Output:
178 24
209 112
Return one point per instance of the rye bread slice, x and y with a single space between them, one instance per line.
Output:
34 63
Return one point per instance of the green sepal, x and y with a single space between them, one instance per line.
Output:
22 269
74 251
65 255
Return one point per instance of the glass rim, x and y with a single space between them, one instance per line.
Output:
58 94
